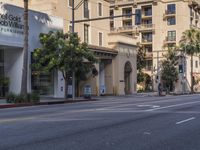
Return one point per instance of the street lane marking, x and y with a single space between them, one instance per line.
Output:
186 120
16 119
152 106
171 106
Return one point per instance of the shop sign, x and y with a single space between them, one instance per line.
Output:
10 23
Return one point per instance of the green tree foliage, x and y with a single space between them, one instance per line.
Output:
169 72
140 63
190 43
140 57
65 53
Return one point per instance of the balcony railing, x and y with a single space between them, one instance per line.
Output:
149 54
169 14
124 29
146 41
146 27
170 39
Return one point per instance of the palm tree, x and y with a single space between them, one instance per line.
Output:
25 50
190 43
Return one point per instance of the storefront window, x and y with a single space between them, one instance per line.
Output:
42 82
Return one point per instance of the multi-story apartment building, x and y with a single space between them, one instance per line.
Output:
116 54
159 26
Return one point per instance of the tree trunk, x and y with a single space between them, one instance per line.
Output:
65 76
192 80
25 50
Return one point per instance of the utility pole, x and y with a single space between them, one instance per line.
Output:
73 71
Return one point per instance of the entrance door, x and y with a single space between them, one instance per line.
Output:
127 78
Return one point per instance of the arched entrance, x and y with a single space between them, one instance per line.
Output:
127 78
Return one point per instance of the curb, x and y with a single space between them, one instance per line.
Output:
45 103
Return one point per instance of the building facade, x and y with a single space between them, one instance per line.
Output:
11 43
160 26
117 56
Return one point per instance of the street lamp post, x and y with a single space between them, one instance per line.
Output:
73 71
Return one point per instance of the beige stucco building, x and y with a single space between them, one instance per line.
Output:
116 53
161 26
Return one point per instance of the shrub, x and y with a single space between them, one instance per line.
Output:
20 98
35 97
10 98
28 98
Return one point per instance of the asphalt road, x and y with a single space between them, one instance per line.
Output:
115 123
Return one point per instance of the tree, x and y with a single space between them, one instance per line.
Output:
190 43
63 52
140 63
25 51
169 73
140 58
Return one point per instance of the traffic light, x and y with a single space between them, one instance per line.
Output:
180 68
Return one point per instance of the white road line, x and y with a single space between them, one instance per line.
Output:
186 120
171 106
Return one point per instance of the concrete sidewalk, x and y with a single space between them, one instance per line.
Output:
51 100
44 101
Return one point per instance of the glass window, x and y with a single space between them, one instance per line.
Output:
86 33
42 82
111 25
100 39
70 3
100 9
171 36
196 64
171 8
138 17
86 9
111 12
149 64
126 11
148 11
127 23
147 37
171 21
147 21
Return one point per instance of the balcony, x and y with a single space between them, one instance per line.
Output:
170 40
146 41
168 14
146 14
147 69
124 29
149 54
146 27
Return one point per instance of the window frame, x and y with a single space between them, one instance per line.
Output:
173 38
170 8
86 39
169 22
98 12
69 3
101 38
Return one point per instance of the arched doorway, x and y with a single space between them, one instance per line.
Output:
127 78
